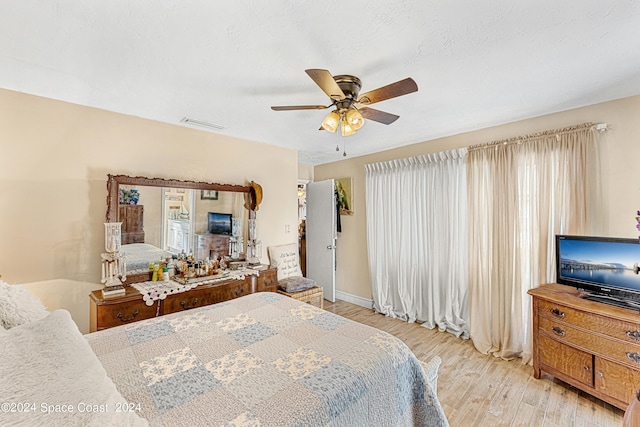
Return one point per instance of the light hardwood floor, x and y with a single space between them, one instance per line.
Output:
480 390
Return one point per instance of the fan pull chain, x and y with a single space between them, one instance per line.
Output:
338 137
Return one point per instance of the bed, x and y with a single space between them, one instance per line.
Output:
139 255
259 360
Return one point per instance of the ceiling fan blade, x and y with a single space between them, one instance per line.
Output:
392 90
300 107
378 116
324 79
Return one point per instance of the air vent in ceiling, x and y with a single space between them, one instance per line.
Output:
200 123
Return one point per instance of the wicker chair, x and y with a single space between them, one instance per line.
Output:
430 369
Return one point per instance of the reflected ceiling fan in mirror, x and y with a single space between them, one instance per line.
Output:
350 109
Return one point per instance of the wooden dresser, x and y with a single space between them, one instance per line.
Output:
109 312
590 345
207 245
132 218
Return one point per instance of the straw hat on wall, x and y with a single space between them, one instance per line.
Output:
255 196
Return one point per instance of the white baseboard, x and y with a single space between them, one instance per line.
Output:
354 299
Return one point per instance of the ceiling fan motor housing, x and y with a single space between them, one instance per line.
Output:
350 86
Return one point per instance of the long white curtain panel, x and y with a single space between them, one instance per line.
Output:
417 238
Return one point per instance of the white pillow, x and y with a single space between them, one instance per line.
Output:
48 362
286 258
18 306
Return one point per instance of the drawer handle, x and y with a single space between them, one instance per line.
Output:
120 316
558 331
634 334
633 356
557 313
189 307
239 292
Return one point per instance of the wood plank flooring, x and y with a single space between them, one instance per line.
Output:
480 390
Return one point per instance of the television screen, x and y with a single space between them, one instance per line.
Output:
606 266
219 223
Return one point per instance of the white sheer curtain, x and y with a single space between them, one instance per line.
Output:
416 212
521 193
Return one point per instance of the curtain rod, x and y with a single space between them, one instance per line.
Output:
600 127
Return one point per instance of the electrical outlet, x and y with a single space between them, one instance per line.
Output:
287 228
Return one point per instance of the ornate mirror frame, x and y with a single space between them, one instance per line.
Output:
114 182
113 188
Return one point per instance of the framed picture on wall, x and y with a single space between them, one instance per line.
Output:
209 195
344 190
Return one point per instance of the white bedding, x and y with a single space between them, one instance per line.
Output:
139 255
50 377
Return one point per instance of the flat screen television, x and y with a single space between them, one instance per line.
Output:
219 223
606 268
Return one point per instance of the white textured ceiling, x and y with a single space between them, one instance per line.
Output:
476 63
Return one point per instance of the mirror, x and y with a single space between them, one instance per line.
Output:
165 217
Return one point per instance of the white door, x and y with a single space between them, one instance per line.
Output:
321 236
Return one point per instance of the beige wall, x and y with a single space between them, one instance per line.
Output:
305 172
54 161
66 294
620 148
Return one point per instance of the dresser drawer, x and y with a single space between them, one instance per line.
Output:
625 353
568 360
267 281
111 315
608 326
205 296
210 244
564 333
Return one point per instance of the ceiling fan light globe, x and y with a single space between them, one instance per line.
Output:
354 119
331 122
346 129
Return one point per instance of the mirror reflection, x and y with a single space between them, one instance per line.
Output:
162 222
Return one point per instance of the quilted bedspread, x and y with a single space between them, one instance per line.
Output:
266 360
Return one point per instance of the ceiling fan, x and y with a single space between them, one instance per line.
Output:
350 108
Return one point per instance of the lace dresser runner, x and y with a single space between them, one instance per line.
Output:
159 290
